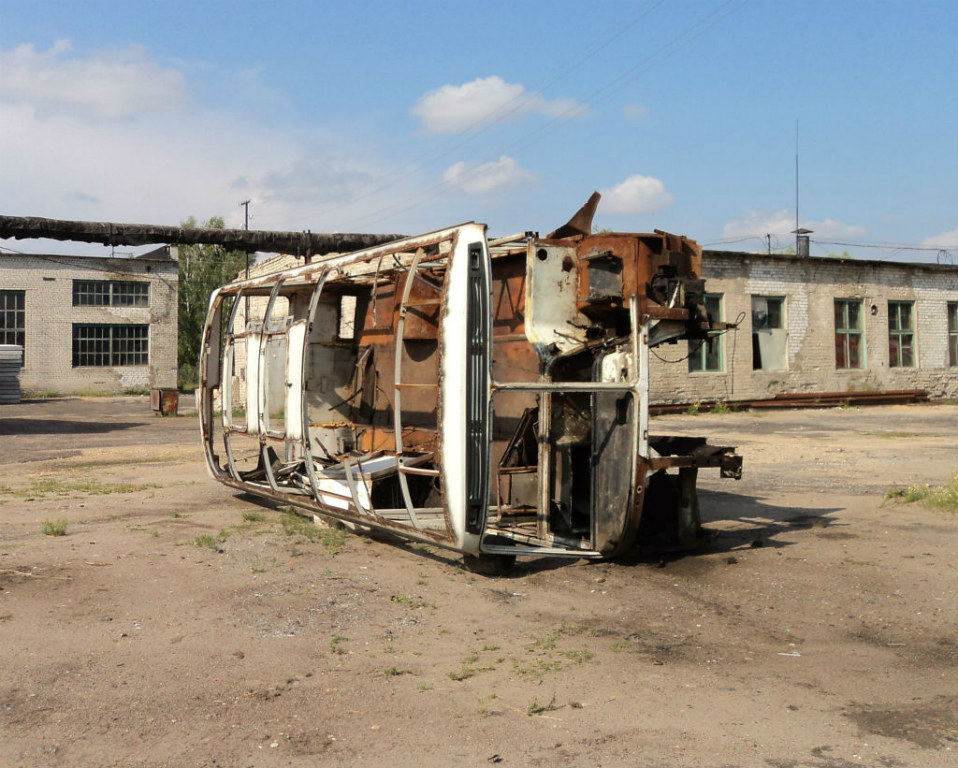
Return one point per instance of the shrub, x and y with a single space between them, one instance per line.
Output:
56 527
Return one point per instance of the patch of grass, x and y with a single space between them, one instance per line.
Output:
547 643
409 602
538 669
484 708
57 527
943 497
212 542
548 656
176 514
336 644
52 486
721 407
535 708
395 672
694 409
463 673
470 665
334 539
5 617
295 525
252 516
94 393
578 656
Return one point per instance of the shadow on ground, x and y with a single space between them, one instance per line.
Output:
15 426
761 524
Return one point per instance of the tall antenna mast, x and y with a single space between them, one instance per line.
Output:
796 175
801 234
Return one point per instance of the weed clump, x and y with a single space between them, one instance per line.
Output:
943 497
535 708
57 527
214 543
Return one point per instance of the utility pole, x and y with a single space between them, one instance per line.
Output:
245 205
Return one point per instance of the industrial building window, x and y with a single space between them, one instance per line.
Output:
769 339
708 355
110 293
901 334
952 333
110 344
12 314
848 334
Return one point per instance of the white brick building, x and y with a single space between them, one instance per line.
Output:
787 340
91 324
812 324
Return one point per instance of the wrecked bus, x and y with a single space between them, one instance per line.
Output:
489 397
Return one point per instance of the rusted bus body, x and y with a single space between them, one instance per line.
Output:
489 397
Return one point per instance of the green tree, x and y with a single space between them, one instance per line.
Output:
203 268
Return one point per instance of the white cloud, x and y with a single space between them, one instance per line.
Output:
74 148
165 169
637 194
760 223
109 84
635 113
97 155
942 240
832 228
460 108
488 177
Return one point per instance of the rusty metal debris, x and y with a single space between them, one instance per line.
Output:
486 397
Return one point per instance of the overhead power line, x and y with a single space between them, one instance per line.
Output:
887 246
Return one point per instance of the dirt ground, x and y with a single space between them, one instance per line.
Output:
178 623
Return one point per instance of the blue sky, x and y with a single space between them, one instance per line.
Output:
408 117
